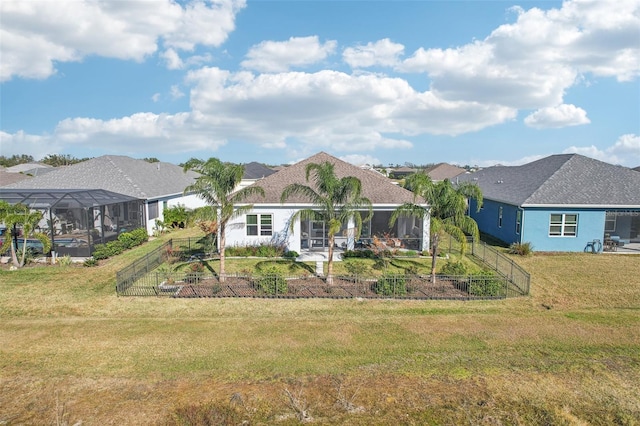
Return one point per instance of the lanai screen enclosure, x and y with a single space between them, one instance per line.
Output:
78 219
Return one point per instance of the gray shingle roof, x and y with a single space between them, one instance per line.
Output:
255 170
563 180
376 187
7 178
116 173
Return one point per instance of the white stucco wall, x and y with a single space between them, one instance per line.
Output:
237 232
188 201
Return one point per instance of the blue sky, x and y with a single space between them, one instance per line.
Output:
379 82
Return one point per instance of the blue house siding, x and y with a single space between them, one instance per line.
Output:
488 219
535 224
536 229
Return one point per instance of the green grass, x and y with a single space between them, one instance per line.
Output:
568 354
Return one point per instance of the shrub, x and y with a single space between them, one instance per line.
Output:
391 285
176 217
90 262
410 253
262 250
291 254
522 249
272 281
454 268
195 272
356 268
100 252
486 284
361 254
65 260
125 241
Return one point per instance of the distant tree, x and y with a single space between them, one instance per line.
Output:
151 160
57 160
216 185
14 160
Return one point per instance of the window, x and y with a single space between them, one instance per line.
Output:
153 209
259 224
518 221
610 222
499 217
563 225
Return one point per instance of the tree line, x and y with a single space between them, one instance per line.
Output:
53 160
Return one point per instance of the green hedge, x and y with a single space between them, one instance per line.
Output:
125 241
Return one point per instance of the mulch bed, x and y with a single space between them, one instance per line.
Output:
417 288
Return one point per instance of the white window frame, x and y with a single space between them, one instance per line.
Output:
518 221
610 218
500 217
263 225
561 225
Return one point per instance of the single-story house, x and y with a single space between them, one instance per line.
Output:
149 189
269 220
559 203
442 171
253 172
401 172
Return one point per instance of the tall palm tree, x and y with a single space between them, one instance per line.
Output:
216 185
448 207
335 201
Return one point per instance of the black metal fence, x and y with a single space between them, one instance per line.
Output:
144 278
178 248
206 284
503 265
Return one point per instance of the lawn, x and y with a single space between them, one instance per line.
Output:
71 350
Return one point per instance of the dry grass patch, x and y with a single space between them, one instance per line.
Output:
568 354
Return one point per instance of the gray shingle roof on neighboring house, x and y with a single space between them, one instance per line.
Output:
27 168
376 187
7 178
256 170
116 173
562 180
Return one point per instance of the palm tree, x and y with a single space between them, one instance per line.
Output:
19 214
216 185
335 201
448 207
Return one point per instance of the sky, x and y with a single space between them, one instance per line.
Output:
380 82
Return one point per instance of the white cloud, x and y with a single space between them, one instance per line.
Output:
279 56
299 112
182 132
35 145
35 34
172 59
533 61
155 97
330 109
517 162
559 116
176 93
383 52
625 151
360 159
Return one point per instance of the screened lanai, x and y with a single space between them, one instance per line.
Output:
78 219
